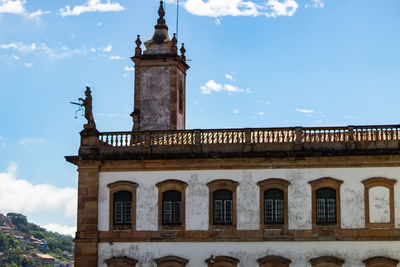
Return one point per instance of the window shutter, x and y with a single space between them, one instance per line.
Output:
128 212
268 207
177 212
228 211
279 211
119 212
218 216
167 212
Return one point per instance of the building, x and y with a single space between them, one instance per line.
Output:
45 259
161 195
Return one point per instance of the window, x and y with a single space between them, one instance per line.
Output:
121 262
222 203
379 202
326 206
273 203
222 261
380 262
122 208
122 205
171 261
171 203
326 261
326 202
171 209
273 206
274 261
181 98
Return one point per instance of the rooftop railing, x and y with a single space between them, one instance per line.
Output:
306 136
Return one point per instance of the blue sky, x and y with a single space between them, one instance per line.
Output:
254 63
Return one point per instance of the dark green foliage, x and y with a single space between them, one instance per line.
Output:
57 243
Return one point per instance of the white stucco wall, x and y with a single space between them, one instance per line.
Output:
298 252
379 204
299 195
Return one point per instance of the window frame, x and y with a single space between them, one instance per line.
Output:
171 261
273 260
118 260
325 182
222 184
379 260
115 188
274 183
381 182
169 185
320 261
216 261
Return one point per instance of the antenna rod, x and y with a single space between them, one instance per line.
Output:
177 18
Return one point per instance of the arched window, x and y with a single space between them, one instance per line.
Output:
273 206
121 262
122 208
171 261
122 205
171 204
380 262
222 207
326 261
171 209
222 203
274 261
326 202
326 206
222 261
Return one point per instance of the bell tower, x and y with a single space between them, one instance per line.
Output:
160 81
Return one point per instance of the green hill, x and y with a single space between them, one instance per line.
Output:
21 241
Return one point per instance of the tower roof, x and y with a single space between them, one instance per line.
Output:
160 35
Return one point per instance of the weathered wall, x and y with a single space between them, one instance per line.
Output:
155 98
379 204
299 252
299 195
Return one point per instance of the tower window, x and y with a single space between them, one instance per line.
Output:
223 208
181 98
273 206
122 208
172 206
326 206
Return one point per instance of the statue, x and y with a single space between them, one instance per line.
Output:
87 104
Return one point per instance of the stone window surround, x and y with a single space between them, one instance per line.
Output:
384 182
167 185
222 261
171 261
122 186
380 261
116 261
326 261
325 182
274 261
224 184
274 183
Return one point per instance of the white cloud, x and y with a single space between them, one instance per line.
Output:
17 195
218 21
98 24
28 65
92 49
15 57
107 49
91 6
126 68
61 229
229 77
212 86
41 48
218 8
32 140
315 4
115 58
236 111
17 7
261 113
302 110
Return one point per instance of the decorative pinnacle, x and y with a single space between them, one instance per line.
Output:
161 13
183 51
138 41
174 40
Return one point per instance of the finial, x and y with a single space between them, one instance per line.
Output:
161 13
138 50
174 41
138 41
183 51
